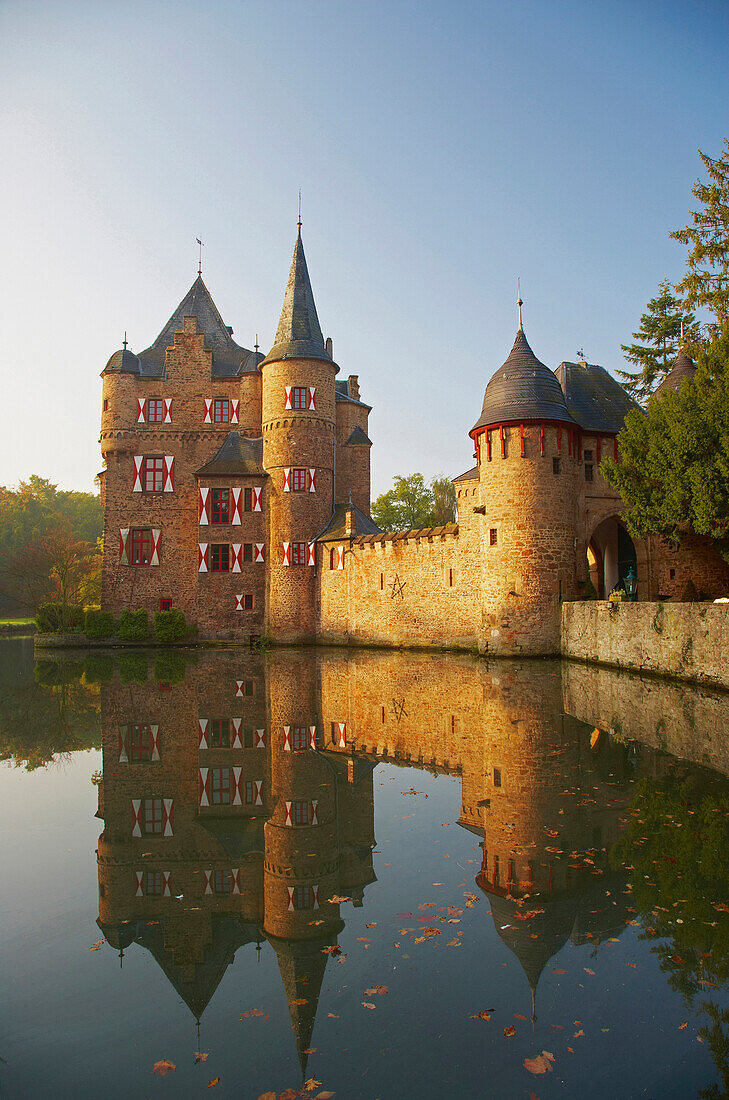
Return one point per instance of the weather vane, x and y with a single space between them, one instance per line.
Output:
199 262
299 222
519 301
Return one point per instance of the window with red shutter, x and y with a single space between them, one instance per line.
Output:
219 557
298 397
298 480
222 882
221 410
155 410
301 812
154 474
299 553
140 744
247 500
220 786
299 738
140 539
303 897
219 733
152 816
220 506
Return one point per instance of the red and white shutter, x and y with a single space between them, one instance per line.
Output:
123 758
203 507
168 410
287 479
167 819
312 557
202 557
239 693
287 403
315 896
341 735
166 884
340 557
237 800
208 882
236 743
290 890
260 739
285 547
137 811
154 732
312 481
258 551
236 516
141 402
312 398
123 551
169 482
203 787
202 734
257 789
138 464
315 812
239 603
312 737
234 410
235 875
154 559
236 548
287 738
257 489
139 891
287 817
208 410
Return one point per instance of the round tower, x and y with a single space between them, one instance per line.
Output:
528 449
298 426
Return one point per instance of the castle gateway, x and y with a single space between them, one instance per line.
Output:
236 487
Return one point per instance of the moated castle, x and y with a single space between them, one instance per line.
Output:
237 487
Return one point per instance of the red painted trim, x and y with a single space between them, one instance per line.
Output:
488 444
615 448
502 437
541 439
559 438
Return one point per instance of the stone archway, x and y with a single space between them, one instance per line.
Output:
610 555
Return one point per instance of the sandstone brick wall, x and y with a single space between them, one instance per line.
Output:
690 641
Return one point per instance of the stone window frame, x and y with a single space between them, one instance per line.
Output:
221 786
222 882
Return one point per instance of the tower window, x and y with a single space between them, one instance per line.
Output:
497 777
493 536
299 738
152 819
298 480
247 601
219 557
450 578
155 410
154 474
298 397
140 744
221 410
106 404
247 551
303 897
247 500
141 543
298 553
588 456
222 882
220 506
556 465
220 786
672 574
301 813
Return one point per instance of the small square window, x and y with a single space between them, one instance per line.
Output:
497 777
298 397
220 506
221 410
155 410
165 605
493 536
298 480
219 557
588 456
556 465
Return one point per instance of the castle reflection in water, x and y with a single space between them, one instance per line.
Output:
238 802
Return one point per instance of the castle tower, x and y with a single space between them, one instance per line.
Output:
298 424
527 449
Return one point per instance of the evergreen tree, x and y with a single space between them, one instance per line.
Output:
706 282
658 339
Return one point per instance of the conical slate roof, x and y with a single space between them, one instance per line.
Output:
125 362
683 368
522 389
298 335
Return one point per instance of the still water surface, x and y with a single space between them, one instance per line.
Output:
373 875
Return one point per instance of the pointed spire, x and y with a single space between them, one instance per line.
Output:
298 335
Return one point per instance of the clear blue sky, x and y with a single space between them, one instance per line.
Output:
442 149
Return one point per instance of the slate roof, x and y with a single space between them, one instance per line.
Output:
684 367
229 358
238 455
125 362
470 475
522 389
335 529
594 398
358 436
298 334
341 392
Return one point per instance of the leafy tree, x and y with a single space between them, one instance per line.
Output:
657 344
673 472
411 504
706 282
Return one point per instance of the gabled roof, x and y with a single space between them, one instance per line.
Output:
594 398
341 391
229 358
683 368
298 335
238 455
522 389
335 529
358 436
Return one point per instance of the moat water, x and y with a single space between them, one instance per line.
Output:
361 874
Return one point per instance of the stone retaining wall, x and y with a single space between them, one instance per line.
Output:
686 640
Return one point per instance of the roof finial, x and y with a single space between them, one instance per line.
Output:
256 345
519 302
199 262
125 341
299 221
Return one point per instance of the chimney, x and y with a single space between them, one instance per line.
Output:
330 347
350 522
353 386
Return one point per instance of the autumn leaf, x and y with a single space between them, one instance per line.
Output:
267 1096
683 1025
96 946
200 1056
213 1083
588 971
299 1001
335 949
311 1050
163 1068
373 925
481 1016
324 1096
427 905
251 1012
559 971
543 1063
509 1031
366 1005
518 1016
335 899
375 990
311 1084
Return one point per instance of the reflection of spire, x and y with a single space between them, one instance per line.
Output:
302 966
534 1006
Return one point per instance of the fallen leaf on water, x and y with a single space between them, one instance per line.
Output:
683 1025
96 946
373 925
299 1001
311 1050
267 1096
518 1016
311 1084
587 970
249 1013
509 1031
200 1056
543 1063
365 1004
213 1083
427 905
559 971
324 1096
335 949
454 943
481 1016
332 1015
163 1068
634 965
578 1034
375 990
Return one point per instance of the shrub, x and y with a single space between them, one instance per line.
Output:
170 626
58 618
133 626
98 668
169 667
133 668
99 624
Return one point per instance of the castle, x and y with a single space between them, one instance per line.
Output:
237 487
